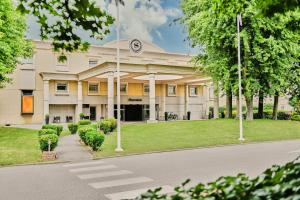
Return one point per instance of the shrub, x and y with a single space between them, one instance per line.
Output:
43 140
73 127
105 126
84 122
296 117
46 132
94 139
282 115
82 130
277 182
114 123
57 128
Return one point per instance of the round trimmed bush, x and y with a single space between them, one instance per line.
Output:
84 122
114 124
47 132
82 130
57 128
105 126
295 118
43 140
94 139
73 127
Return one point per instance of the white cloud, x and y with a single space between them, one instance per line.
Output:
139 18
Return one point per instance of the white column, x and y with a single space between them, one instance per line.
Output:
206 100
186 100
163 101
110 95
46 97
216 100
152 97
79 100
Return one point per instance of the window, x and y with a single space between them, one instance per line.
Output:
93 62
61 63
27 102
25 61
123 88
93 88
193 91
62 88
146 89
172 90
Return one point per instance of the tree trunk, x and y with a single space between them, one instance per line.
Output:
249 102
228 104
275 106
260 113
216 100
237 106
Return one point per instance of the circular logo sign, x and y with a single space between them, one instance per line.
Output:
136 46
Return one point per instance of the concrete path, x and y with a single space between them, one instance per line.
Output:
69 149
126 177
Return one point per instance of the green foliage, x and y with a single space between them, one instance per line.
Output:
46 132
84 122
277 182
56 127
113 122
43 140
82 130
94 139
13 45
60 20
106 126
295 117
73 128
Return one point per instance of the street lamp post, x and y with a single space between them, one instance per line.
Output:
119 147
239 23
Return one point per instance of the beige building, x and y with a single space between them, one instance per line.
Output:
152 82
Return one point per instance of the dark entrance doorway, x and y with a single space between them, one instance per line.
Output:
133 112
92 113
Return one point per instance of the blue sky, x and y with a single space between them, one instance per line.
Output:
149 21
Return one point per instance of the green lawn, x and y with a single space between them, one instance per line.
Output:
18 146
140 138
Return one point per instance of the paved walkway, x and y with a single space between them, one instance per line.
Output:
69 149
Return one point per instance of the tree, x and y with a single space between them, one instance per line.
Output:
13 45
60 20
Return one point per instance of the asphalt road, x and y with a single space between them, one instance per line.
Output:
124 177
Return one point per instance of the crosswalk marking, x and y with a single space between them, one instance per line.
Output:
84 163
135 193
120 182
93 168
104 174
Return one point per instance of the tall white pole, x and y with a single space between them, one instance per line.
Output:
239 23
119 148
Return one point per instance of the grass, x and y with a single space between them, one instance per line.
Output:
141 138
18 146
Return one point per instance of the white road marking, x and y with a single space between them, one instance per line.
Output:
104 174
85 169
119 182
83 164
135 193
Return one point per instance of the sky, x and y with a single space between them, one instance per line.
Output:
150 21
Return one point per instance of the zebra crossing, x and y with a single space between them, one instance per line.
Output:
107 177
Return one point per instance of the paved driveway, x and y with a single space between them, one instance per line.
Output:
126 177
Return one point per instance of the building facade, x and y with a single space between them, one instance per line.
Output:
152 83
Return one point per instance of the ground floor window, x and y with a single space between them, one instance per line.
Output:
27 102
62 88
193 91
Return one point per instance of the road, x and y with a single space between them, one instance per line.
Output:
114 178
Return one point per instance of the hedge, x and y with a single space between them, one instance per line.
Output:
108 125
82 130
43 140
47 132
57 128
94 139
84 122
277 182
73 127
295 117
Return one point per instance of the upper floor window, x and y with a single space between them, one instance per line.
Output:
172 89
25 61
193 91
62 88
123 88
93 88
146 89
93 62
61 63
